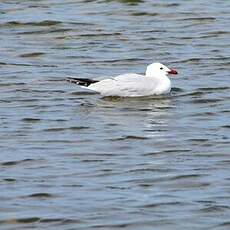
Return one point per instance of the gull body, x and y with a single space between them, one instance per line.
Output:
154 82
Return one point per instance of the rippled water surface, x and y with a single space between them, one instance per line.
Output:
70 159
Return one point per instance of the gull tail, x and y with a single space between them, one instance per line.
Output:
81 81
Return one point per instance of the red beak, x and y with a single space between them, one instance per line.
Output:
172 71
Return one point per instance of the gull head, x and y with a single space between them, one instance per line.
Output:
158 70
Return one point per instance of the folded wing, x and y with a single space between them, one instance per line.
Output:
125 85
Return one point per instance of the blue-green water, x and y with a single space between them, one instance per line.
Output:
70 159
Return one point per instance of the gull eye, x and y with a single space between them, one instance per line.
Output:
161 68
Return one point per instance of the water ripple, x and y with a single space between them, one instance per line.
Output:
71 159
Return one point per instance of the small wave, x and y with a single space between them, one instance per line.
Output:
144 14
215 208
30 220
99 34
40 195
25 64
129 137
10 180
59 129
33 54
200 19
214 89
23 24
156 205
43 31
225 224
204 101
12 163
31 120
225 126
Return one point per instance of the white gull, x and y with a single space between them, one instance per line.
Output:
154 82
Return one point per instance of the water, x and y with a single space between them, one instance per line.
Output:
73 160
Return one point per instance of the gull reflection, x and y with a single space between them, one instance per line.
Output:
145 116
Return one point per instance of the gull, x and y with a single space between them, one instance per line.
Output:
154 82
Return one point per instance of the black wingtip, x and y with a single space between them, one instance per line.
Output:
81 81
